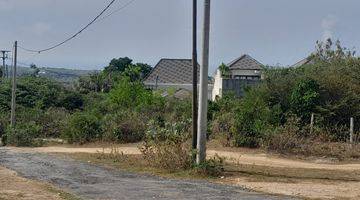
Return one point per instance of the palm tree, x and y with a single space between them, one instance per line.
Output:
224 70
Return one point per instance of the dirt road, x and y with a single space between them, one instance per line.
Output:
94 182
237 157
287 177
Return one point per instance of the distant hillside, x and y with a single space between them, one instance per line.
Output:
58 74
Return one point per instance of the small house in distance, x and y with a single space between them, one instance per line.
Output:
306 61
173 73
241 72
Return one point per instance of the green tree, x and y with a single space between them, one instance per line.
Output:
71 101
118 65
304 98
128 94
133 72
224 70
254 117
35 69
145 69
328 51
82 127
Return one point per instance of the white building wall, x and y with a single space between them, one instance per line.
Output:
217 89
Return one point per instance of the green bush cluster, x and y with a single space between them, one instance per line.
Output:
213 167
123 127
82 128
25 134
42 108
115 106
329 87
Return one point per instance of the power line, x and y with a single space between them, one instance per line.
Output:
73 36
19 62
117 10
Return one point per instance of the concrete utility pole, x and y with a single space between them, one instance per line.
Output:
4 67
13 92
195 77
312 123
203 97
351 130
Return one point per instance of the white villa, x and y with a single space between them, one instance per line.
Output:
177 74
244 70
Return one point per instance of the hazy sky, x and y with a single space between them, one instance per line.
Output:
272 31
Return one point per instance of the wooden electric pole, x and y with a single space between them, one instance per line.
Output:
13 92
203 97
195 78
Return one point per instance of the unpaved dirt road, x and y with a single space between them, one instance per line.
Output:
94 182
237 157
332 183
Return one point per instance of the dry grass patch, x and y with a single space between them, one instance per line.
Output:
15 187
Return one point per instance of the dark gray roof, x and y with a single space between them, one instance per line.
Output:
304 61
245 62
175 71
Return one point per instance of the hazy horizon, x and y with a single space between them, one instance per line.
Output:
279 32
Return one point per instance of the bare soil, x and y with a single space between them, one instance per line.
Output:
15 187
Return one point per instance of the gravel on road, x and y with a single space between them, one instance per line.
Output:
90 181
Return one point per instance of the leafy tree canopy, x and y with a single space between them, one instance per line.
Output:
118 65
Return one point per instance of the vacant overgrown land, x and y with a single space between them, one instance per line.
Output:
298 115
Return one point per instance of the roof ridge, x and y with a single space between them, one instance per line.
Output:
172 70
236 60
175 59
248 63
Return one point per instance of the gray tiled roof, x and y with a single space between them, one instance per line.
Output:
304 61
245 62
174 71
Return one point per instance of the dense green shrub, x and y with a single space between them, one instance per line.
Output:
37 92
5 97
254 117
98 104
4 122
124 127
127 94
71 101
221 117
213 167
328 86
25 134
53 122
304 98
177 110
167 147
82 127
